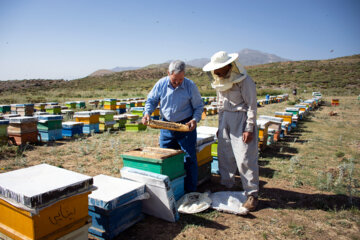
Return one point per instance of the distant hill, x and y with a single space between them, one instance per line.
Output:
339 76
247 57
102 72
121 69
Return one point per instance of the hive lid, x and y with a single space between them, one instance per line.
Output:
104 112
71 124
22 119
271 118
137 109
8 116
263 123
284 113
113 192
5 105
70 102
110 99
202 138
80 101
118 117
50 117
149 178
23 105
207 130
86 113
42 184
153 152
294 109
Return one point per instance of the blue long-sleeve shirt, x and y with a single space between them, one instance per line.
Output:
175 104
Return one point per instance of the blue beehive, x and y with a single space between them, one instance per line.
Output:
215 166
114 206
177 186
51 135
87 128
69 129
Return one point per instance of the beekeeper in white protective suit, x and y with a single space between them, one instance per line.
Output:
237 135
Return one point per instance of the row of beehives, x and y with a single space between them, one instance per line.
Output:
212 109
71 205
48 127
272 128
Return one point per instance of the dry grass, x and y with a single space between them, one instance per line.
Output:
309 182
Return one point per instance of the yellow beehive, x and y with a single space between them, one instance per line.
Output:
284 115
110 107
51 222
156 112
203 155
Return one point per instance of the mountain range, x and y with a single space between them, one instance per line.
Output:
247 57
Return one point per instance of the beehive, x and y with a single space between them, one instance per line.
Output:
22 130
135 127
121 107
120 121
5 108
94 103
40 107
204 172
161 203
178 187
286 116
110 104
87 117
32 209
164 161
71 104
137 111
112 206
80 104
70 129
50 127
23 109
53 109
335 102
263 125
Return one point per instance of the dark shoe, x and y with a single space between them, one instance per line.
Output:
251 203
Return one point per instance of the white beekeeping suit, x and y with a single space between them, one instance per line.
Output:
236 94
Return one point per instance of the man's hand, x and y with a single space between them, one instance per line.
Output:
247 137
192 124
145 119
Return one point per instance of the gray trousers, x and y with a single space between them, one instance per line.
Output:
234 154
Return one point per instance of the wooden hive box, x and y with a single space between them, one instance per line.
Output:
53 109
164 161
80 104
287 116
43 202
49 122
5 108
113 206
71 105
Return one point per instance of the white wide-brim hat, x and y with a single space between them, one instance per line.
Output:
219 60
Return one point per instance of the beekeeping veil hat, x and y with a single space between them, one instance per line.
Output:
236 74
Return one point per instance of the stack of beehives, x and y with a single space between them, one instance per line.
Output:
121 107
205 144
110 104
106 119
23 109
23 130
31 209
94 103
90 120
120 121
40 107
50 127
114 206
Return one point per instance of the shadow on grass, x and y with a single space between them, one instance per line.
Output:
154 228
285 199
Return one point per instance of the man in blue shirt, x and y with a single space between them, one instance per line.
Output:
180 101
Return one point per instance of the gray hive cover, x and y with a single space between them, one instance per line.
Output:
113 192
41 185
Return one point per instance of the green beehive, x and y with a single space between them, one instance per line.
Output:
80 104
43 125
3 131
214 148
164 161
135 127
5 108
53 109
71 105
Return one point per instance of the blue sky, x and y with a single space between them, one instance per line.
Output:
66 39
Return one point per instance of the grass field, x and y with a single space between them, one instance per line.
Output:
310 181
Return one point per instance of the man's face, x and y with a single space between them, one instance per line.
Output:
176 79
222 72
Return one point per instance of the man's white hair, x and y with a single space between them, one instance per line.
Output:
176 67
